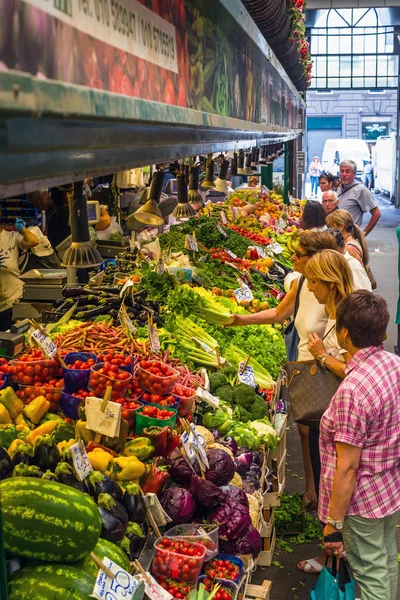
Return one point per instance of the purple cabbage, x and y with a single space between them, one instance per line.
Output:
243 462
221 467
179 504
248 543
229 442
235 494
206 493
179 468
233 519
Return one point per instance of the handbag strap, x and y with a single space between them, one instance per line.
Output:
328 332
347 189
297 302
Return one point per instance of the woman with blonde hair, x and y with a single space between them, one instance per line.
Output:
352 234
330 279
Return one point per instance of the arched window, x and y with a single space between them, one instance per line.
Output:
351 48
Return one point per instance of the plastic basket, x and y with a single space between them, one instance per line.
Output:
27 393
3 380
70 405
186 402
233 559
143 421
98 383
77 379
46 369
225 583
167 563
129 414
204 534
159 385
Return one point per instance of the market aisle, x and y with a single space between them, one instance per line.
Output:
288 582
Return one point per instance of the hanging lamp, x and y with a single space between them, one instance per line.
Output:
149 213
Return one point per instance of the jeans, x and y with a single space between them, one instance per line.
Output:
314 184
370 546
313 445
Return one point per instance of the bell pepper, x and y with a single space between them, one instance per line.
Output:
158 437
23 431
173 441
155 480
140 447
52 417
10 400
92 445
63 448
63 432
46 428
36 409
127 468
20 420
13 447
4 416
87 435
101 461
8 433
117 443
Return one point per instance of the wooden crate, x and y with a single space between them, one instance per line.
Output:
265 557
277 462
259 592
268 516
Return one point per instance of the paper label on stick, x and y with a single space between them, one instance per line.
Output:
46 344
247 375
160 268
187 443
154 339
122 587
222 232
153 505
230 253
260 251
154 590
127 285
276 248
243 293
191 243
203 394
223 218
203 345
126 322
80 460
106 422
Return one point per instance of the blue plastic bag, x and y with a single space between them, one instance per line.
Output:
332 585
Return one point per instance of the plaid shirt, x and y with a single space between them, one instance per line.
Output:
365 412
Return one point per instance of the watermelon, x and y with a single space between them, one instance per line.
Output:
48 521
51 582
104 548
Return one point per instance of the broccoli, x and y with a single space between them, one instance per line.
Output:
243 395
259 410
217 380
231 374
225 393
243 414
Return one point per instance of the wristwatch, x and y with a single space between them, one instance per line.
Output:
337 524
323 359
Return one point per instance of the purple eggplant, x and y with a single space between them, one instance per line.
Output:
112 528
24 455
66 475
47 455
98 483
115 508
133 501
6 465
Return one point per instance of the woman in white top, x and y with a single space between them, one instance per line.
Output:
330 279
311 318
352 235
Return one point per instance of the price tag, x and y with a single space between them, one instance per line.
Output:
187 443
154 339
281 224
276 248
243 293
231 265
145 257
154 506
46 344
247 376
191 243
126 322
203 345
160 268
260 251
230 253
128 284
122 587
202 394
235 211
223 218
80 460
222 232
154 590
106 422
199 448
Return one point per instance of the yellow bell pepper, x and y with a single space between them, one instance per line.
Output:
87 435
4 415
101 461
64 446
46 428
10 400
36 409
127 468
22 427
14 447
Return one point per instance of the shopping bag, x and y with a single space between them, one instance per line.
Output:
334 585
290 335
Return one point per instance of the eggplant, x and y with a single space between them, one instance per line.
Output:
112 528
134 503
136 539
71 292
27 471
106 289
24 455
113 313
6 465
66 475
47 455
98 483
114 507
83 300
111 300
93 312
49 476
62 307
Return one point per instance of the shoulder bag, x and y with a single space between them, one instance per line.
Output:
290 335
335 583
367 268
309 389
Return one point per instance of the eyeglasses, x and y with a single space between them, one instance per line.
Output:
299 255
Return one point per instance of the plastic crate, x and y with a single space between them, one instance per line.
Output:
232 559
143 421
230 586
70 405
204 534
77 379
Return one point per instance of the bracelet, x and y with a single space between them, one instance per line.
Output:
323 360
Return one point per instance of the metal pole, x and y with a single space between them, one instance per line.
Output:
286 175
266 176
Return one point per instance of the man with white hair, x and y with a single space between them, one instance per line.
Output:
330 201
355 197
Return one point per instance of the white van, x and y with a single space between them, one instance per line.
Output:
337 150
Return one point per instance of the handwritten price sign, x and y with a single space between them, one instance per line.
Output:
191 243
222 232
247 376
80 461
243 293
106 422
47 345
122 587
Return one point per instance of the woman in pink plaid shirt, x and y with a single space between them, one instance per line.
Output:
360 450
